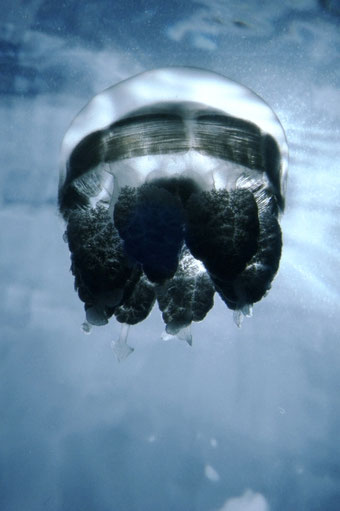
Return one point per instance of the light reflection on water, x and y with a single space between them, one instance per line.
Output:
77 427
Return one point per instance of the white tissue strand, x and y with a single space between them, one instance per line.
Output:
120 347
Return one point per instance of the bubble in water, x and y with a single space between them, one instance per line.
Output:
86 327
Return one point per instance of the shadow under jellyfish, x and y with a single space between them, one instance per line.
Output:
171 186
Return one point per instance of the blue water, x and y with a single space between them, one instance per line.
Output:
245 419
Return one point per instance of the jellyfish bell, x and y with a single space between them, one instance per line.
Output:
168 111
171 186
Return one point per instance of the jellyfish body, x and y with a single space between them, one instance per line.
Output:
171 185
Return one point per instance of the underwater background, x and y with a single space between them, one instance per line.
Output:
247 419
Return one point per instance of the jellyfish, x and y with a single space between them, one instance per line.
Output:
172 184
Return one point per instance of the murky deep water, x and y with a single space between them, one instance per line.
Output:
246 419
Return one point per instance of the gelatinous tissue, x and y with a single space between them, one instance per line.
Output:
171 186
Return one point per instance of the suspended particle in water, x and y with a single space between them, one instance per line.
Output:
171 185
